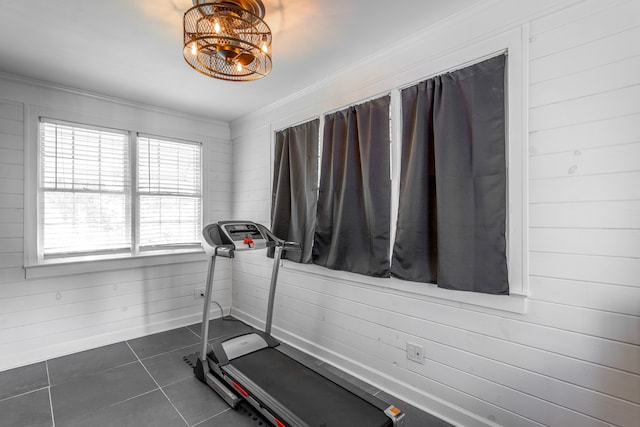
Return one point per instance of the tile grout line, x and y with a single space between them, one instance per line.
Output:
132 397
170 351
166 352
212 417
194 332
176 381
158 385
53 417
23 394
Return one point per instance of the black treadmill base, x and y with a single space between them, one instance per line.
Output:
242 408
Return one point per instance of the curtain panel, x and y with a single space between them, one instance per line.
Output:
295 188
452 207
353 220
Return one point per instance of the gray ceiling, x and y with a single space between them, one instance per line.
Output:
132 49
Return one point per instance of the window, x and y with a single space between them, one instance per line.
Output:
295 187
452 208
514 44
84 183
451 222
104 192
354 196
169 193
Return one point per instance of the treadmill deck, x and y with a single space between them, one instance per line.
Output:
313 398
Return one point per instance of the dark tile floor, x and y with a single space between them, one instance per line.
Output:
141 382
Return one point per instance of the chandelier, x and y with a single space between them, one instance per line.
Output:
227 39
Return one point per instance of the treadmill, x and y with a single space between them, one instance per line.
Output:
251 366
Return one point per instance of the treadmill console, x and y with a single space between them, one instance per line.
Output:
226 237
244 235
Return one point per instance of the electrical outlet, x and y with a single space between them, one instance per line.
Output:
198 293
415 352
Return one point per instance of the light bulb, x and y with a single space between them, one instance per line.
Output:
265 48
216 27
194 48
239 66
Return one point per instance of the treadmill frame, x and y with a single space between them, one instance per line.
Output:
213 367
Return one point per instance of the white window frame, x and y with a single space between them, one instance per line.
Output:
34 264
515 43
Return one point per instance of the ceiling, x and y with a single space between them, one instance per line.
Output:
132 49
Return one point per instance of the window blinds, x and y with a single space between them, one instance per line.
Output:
169 193
84 178
107 191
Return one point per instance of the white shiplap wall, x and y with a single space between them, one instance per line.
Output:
51 316
573 359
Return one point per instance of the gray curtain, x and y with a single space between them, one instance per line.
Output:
452 211
295 188
352 231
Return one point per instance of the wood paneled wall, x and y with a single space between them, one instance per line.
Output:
51 316
573 359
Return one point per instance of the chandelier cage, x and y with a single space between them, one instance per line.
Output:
228 40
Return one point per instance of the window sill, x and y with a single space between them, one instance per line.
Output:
513 303
80 265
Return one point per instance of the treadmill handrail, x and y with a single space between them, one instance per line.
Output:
227 251
217 242
286 246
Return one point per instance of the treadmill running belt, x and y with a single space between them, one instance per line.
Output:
313 398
